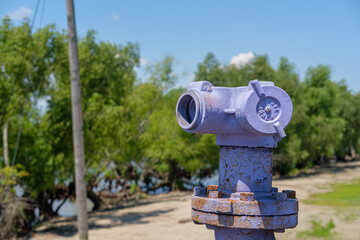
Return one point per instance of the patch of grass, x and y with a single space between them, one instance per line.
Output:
318 230
349 217
347 214
294 172
341 195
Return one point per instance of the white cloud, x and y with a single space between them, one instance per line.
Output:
242 59
191 77
115 17
143 62
20 13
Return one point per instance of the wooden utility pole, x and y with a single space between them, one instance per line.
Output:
77 123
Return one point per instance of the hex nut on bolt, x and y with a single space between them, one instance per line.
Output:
243 196
290 194
212 187
214 194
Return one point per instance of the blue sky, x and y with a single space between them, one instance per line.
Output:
306 32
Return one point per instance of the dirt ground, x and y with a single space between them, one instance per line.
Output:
167 216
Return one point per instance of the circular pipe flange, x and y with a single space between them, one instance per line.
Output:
247 222
188 110
236 207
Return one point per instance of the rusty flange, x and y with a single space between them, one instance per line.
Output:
274 210
245 222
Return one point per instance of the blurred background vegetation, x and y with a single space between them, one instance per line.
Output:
131 134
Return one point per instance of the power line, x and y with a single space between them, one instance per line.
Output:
42 14
27 88
6 189
17 76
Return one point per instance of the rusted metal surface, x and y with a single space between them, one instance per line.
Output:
212 187
290 193
246 221
248 234
245 169
214 194
248 123
263 207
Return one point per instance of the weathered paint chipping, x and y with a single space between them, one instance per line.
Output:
245 169
260 207
245 222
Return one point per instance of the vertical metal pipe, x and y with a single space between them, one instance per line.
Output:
243 234
244 169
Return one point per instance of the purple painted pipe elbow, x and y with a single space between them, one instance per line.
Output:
252 116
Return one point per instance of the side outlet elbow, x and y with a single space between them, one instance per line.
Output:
255 115
188 110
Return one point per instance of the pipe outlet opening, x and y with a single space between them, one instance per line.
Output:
188 110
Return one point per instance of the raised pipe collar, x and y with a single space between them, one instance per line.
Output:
251 116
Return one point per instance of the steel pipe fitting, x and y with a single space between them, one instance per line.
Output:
248 123
252 116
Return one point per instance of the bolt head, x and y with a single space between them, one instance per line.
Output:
243 196
290 194
212 187
214 194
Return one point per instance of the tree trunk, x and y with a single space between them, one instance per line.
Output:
5 144
172 174
352 153
45 201
95 199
